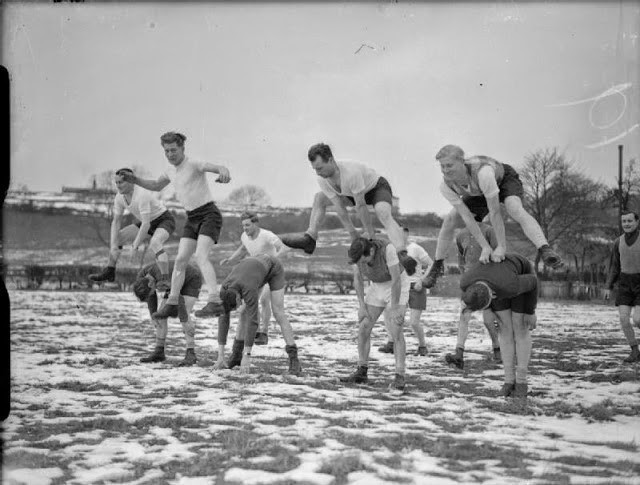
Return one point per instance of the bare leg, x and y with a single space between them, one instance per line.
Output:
186 248
265 310
463 329
189 326
529 225
488 317
445 236
156 245
394 231
507 345
416 324
364 334
625 323
277 305
125 236
399 344
318 212
203 248
523 343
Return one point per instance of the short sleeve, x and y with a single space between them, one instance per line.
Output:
487 181
449 194
275 240
353 180
327 189
118 205
392 256
144 205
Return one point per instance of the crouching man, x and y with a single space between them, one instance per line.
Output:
245 283
378 262
145 290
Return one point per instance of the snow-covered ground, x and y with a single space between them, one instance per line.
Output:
84 410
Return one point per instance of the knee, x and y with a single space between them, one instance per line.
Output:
155 245
383 211
278 312
514 207
202 257
320 200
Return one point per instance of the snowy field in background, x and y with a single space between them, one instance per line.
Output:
84 410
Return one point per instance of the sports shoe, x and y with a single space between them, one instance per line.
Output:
455 359
211 309
299 241
386 348
107 274
550 257
507 388
156 356
520 390
168 310
398 382
189 359
436 270
235 359
497 356
634 356
294 364
358 377
422 351
261 338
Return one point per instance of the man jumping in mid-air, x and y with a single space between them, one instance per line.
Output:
254 241
346 184
153 220
478 183
204 220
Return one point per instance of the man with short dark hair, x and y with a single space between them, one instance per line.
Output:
152 220
145 288
481 183
204 221
254 241
244 284
510 289
624 267
345 184
378 262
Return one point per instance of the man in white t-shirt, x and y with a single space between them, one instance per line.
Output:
204 220
254 241
477 186
378 262
416 268
153 221
345 184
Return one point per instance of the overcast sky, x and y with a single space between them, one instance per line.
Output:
254 85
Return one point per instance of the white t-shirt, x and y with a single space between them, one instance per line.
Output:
486 183
265 243
145 205
190 182
418 253
354 179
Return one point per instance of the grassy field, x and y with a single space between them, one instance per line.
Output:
84 410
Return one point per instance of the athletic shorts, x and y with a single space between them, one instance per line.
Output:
417 299
524 303
205 220
379 294
380 193
165 220
628 290
509 185
275 274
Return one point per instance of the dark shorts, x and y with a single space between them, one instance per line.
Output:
628 293
524 303
192 285
380 193
205 220
165 220
509 185
417 299
275 276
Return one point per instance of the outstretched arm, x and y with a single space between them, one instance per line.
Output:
237 255
223 171
153 185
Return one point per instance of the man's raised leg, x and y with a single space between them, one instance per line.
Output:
126 235
394 231
186 248
203 249
156 244
307 240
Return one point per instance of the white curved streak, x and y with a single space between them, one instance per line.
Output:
617 89
614 139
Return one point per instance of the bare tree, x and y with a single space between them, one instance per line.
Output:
561 199
248 195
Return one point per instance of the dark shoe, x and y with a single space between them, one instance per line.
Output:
235 359
168 310
156 356
520 390
436 270
107 274
211 309
189 359
294 364
634 356
261 339
398 383
550 257
386 348
299 241
507 389
497 356
358 377
455 359
422 351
